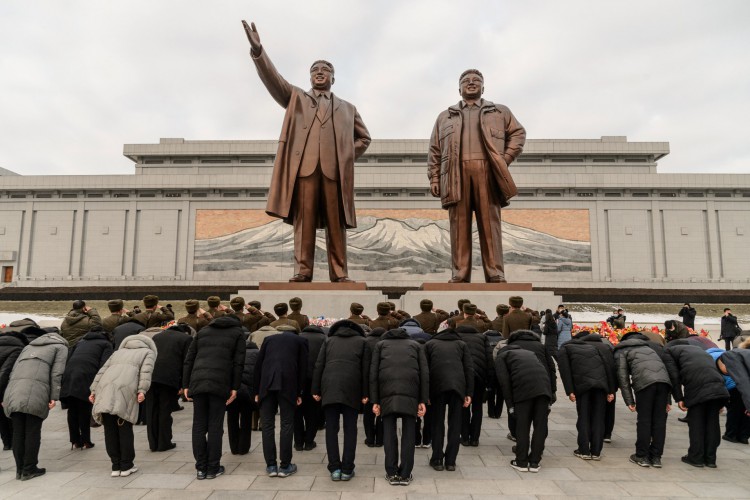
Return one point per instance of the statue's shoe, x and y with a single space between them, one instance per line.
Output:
300 278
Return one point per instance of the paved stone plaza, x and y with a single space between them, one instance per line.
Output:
482 472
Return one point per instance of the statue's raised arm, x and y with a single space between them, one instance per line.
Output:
253 37
277 86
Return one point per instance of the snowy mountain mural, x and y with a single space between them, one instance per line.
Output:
382 249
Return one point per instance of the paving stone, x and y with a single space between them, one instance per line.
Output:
716 490
161 481
111 494
293 483
223 482
46 492
653 489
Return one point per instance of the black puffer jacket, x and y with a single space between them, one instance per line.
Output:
693 369
481 353
125 330
172 345
251 356
522 374
399 376
84 361
11 345
688 316
342 370
737 362
375 336
640 363
530 341
448 357
587 363
315 340
215 359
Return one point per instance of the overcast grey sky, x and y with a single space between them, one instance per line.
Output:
78 79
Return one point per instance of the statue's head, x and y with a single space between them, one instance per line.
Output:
321 75
471 84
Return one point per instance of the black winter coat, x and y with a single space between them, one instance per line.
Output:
215 359
11 345
530 341
550 333
281 366
84 361
693 369
522 374
375 336
481 353
248 372
729 327
399 375
448 358
125 330
315 340
688 316
737 362
172 346
587 363
342 370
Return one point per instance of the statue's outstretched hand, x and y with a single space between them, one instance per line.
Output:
252 36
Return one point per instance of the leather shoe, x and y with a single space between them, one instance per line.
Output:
457 280
450 468
300 278
497 279
344 279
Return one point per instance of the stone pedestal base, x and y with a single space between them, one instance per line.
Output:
486 296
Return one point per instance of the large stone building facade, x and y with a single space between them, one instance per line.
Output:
590 213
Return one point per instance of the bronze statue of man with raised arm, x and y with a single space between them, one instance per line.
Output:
471 146
312 185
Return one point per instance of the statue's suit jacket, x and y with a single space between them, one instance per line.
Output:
351 140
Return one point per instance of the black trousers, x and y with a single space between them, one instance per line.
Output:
119 441
704 431
728 344
208 430
651 429
79 421
373 426
306 419
6 430
592 408
609 418
336 461
390 444
239 423
423 428
551 345
738 423
495 401
454 402
268 406
160 402
27 438
471 426
531 412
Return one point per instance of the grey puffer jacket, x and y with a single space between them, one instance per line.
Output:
125 374
37 376
639 365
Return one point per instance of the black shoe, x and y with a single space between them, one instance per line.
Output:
406 481
744 441
474 443
171 446
656 463
534 467
34 473
683 419
686 460
310 446
378 445
511 437
7 448
450 468
520 468
393 480
180 408
214 475
465 442
200 475
18 475
641 461
730 439
608 439
369 444
710 465
437 465
299 447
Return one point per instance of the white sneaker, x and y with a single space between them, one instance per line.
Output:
126 473
115 473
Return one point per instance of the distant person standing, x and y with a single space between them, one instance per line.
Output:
306 415
295 304
687 313
11 345
153 315
564 328
78 322
729 328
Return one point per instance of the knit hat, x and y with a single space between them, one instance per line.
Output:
356 308
383 308
213 301
425 305
192 306
295 303
281 309
150 301
115 305
237 303
470 308
515 301
502 309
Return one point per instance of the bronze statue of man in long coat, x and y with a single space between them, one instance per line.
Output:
471 146
312 185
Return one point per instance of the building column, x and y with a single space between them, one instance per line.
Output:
128 255
658 249
713 235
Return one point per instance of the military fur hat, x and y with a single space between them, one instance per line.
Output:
470 308
425 305
502 309
237 303
150 301
213 301
461 303
384 308
115 305
192 306
356 308
254 303
391 305
295 303
515 301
